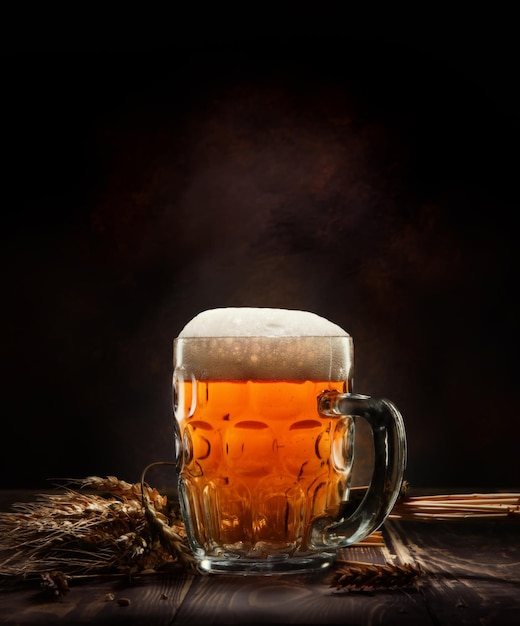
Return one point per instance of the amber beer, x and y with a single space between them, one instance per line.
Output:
260 465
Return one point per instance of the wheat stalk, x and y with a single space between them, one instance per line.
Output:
82 533
359 576
135 529
356 575
457 506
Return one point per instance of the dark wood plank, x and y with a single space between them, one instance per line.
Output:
471 576
472 568
147 599
303 599
294 600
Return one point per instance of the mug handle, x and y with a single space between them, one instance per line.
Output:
389 436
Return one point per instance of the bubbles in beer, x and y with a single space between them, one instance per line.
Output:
260 463
259 478
262 343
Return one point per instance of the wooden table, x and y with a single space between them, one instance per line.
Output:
471 575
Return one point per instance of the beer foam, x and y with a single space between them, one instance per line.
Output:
260 322
263 344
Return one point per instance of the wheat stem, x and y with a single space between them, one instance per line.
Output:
133 529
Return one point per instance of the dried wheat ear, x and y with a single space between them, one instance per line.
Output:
354 575
135 529
132 530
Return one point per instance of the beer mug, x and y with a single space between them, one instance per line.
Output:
264 435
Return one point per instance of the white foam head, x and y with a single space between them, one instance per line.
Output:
260 322
247 343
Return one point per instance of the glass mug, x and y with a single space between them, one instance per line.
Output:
264 436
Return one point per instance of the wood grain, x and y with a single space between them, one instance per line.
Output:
293 600
472 569
151 599
471 576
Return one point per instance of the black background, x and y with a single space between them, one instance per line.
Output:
371 179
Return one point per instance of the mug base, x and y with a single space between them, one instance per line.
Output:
270 566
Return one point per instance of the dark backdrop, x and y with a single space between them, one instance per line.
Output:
372 181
